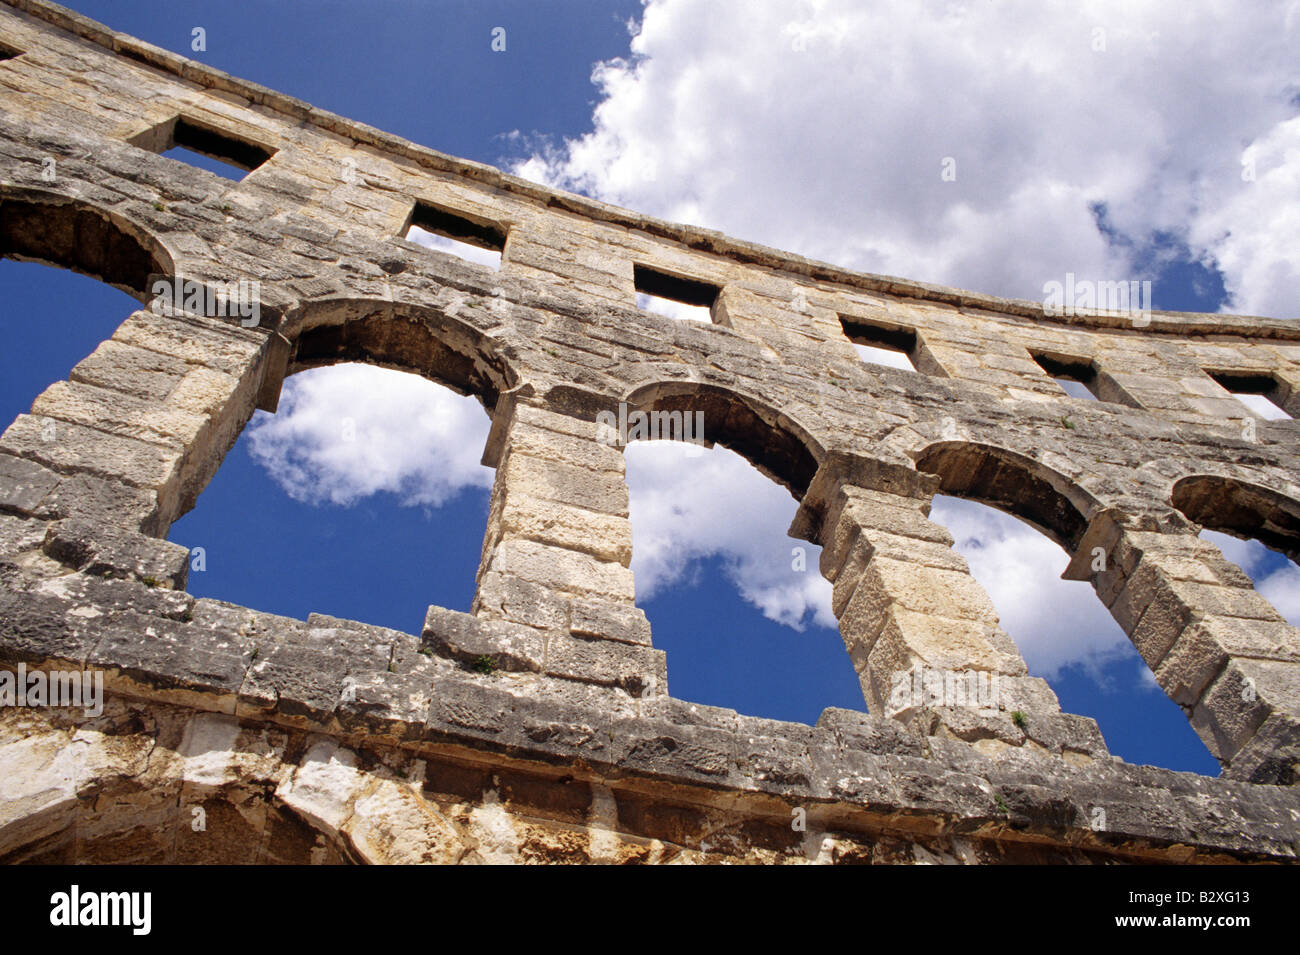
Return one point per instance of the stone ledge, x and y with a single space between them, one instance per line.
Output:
296 111
293 673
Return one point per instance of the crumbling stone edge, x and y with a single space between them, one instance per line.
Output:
371 687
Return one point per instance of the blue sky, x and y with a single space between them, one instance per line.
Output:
712 110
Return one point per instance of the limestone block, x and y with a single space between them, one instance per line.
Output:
24 485
505 596
109 551
929 590
550 445
203 391
1203 649
467 639
908 639
638 669
604 536
1243 696
135 371
79 448
565 570
609 620
119 414
197 340
565 484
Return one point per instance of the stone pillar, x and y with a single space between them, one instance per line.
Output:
122 448
555 564
1216 647
922 633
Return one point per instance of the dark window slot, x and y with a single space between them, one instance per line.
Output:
217 145
1259 391
893 337
1066 369
662 285
1245 382
448 224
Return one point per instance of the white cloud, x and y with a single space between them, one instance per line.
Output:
348 431
823 127
1276 579
671 309
1054 622
462 250
1253 231
688 504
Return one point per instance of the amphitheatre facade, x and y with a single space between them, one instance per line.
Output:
328 740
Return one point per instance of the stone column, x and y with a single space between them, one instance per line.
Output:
555 564
1216 647
922 633
122 448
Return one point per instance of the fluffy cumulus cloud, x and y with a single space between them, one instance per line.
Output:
1253 233
1055 622
349 431
827 127
1275 577
689 504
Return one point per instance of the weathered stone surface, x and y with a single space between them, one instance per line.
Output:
611 620
24 485
504 646
538 727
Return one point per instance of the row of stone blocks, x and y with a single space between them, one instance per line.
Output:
383 687
125 443
142 423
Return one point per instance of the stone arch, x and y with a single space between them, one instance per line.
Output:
427 342
420 340
776 444
1025 488
1242 509
44 227
423 340
784 453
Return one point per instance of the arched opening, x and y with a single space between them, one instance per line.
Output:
739 607
424 341
54 319
1005 512
362 496
1256 528
72 234
777 446
1010 482
1247 511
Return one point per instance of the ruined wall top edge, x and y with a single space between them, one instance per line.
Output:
694 238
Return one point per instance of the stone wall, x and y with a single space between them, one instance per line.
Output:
329 740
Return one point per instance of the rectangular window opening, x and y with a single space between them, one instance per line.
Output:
1258 391
204 148
1077 377
441 229
879 343
674 296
